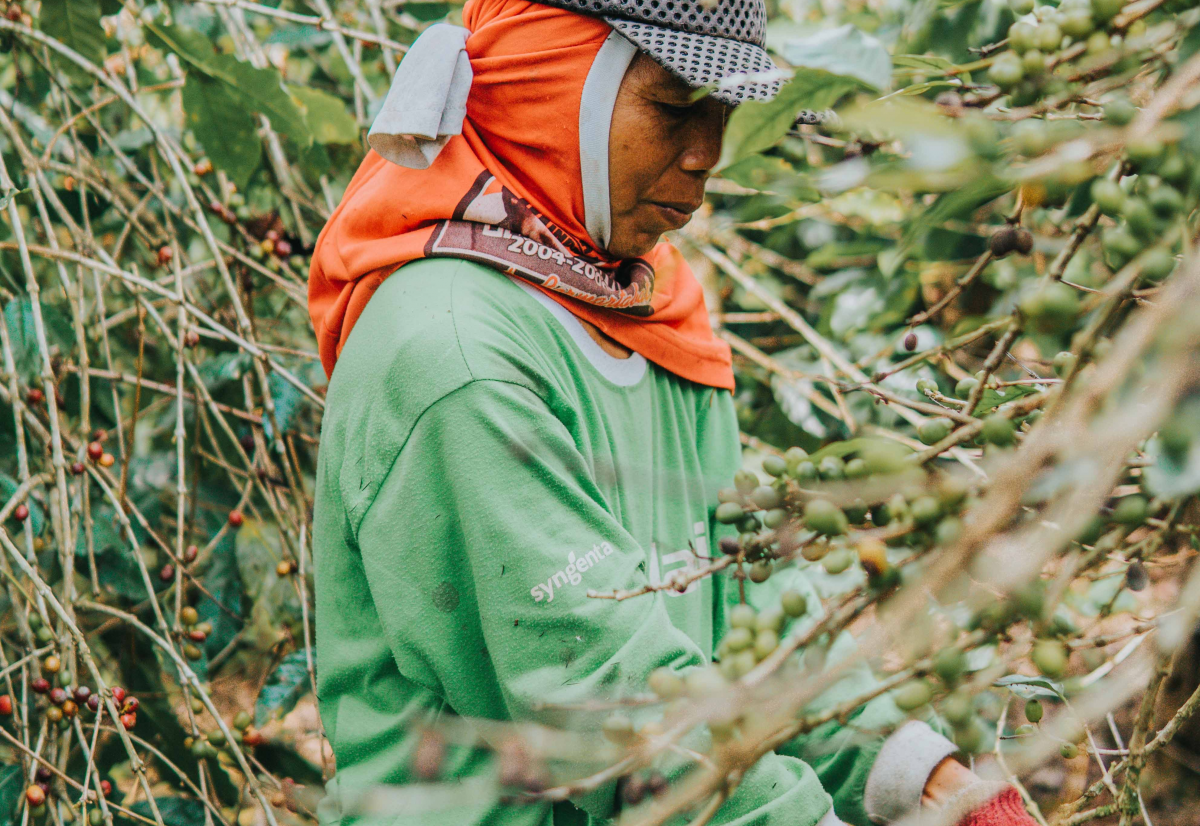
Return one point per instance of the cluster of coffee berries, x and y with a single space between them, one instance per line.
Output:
67 701
1039 39
1009 239
751 638
96 452
1142 207
194 631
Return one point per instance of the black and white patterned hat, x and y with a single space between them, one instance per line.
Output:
701 43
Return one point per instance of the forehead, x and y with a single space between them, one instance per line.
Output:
649 75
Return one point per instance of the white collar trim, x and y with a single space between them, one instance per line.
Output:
621 372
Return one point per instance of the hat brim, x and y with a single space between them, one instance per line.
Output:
702 60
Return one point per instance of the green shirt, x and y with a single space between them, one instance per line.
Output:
483 465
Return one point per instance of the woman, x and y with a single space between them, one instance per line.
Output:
535 406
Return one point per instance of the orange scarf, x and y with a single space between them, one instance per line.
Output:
514 172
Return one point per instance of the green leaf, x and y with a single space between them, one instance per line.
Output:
844 51
326 116
76 23
12 785
756 126
259 91
283 689
1027 688
224 128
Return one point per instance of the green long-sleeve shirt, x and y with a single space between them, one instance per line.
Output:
483 464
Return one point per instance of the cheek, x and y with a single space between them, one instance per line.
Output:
639 152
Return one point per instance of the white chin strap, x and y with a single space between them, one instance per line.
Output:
427 102
595 120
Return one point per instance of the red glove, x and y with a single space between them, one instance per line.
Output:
1005 809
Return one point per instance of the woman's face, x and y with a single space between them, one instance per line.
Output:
661 148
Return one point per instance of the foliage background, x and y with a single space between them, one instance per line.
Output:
167 167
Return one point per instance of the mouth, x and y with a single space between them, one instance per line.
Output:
674 214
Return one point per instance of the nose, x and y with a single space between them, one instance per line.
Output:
702 145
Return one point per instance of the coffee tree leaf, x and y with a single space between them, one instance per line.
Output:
326 116
756 126
286 685
12 786
844 51
225 129
75 23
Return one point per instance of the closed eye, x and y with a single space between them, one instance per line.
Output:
675 110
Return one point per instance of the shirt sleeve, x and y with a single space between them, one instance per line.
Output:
490 514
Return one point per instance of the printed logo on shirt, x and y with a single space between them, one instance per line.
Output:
573 573
664 568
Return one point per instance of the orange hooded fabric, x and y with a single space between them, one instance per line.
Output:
507 193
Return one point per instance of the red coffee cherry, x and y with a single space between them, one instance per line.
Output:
21 512
40 686
6 705
95 450
236 519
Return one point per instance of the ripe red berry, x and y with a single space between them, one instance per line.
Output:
13 13
118 694
131 705
77 468
83 694
190 553
128 721
93 702
35 397
40 686
283 248
167 573
43 775
196 635
236 519
191 338
105 788
6 706
21 512
252 737
203 166
165 254
95 450
35 795
99 434
58 695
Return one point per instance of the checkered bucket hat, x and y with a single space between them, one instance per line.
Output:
705 44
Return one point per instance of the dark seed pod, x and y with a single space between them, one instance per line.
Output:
1023 241
910 342
657 784
1003 241
728 545
633 790
1136 578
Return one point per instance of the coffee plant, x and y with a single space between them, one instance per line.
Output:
955 260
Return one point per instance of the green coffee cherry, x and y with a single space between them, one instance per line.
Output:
760 571
913 695
805 472
925 510
775 465
824 517
766 497
1069 751
743 616
1108 196
1033 711
949 665
775 518
957 708
965 386
665 683
1050 657
765 642
745 481
998 430
932 431
831 467
1020 36
856 469
729 512
838 560
1131 511
1051 309
1064 363
794 603
1007 71
1157 264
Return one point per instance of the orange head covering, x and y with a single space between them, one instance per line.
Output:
508 192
